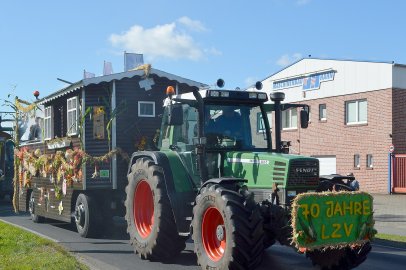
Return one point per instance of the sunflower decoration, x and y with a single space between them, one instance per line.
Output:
100 110
141 144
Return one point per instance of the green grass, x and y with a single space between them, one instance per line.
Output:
391 240
22 250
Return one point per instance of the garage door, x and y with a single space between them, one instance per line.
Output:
328 164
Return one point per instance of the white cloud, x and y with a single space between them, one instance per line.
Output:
250 81
163 41
287 59
213 51
192 24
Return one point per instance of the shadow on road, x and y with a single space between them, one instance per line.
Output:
6 207
186 258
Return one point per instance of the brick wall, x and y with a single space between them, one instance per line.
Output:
334 138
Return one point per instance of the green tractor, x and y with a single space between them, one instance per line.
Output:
217 179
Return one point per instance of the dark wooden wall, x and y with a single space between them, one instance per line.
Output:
97 95
130 127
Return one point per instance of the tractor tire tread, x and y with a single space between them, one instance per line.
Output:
246 228
156 245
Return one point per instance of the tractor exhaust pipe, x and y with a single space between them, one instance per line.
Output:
277 98
201 145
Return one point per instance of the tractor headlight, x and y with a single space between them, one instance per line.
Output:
253 95
224 94
214 93
262 96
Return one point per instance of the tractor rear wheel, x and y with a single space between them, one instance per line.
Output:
227 228
341 258
151 223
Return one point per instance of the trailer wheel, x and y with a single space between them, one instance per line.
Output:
87 217
343 258
151 223
31 208
227 229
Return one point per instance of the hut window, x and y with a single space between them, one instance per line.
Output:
146 109
48 124
72 116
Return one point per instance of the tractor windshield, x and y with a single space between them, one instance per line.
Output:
237 127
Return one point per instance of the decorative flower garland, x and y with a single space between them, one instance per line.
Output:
28 108
63 165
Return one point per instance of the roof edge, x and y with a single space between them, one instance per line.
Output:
331 59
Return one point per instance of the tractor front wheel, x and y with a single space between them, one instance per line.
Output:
227 228
151 224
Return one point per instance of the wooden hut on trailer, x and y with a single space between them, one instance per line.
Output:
79 171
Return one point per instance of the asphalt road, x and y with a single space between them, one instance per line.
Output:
115 252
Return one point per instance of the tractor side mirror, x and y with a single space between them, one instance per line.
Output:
304 118
175 116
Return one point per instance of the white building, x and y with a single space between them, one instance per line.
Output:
357 111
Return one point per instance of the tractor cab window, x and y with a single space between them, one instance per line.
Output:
180 135
183 134
233 127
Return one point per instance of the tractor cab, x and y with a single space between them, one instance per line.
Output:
229 121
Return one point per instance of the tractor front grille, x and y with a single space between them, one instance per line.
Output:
279 171
303 173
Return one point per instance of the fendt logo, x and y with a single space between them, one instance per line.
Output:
306 170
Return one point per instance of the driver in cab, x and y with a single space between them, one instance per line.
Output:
228 124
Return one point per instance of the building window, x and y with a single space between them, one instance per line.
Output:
48 125
146 109
289 118
357 163
370 161
356 112
269 115
72 116
261 123
322 112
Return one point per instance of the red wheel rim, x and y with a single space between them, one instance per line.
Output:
143 209
212 225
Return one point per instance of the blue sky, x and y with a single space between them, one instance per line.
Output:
239 41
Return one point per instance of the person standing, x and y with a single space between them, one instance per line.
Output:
35 130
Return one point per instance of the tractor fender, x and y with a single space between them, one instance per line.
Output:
141 154
181 201
224 181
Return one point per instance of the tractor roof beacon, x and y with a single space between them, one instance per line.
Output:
217 178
